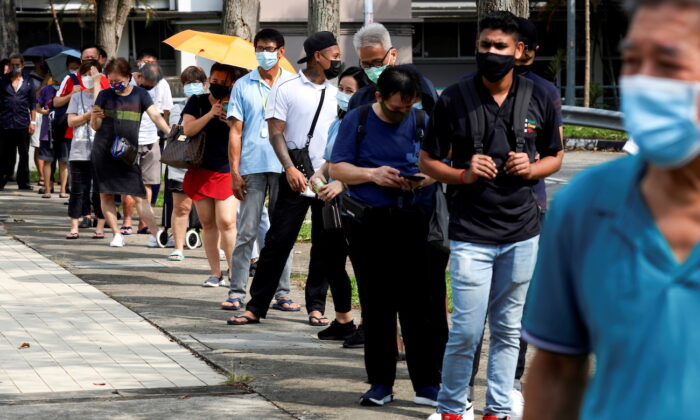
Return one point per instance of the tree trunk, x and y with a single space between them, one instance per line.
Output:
241 18
517 7
324 15
56 22
8 28
587 68
109 24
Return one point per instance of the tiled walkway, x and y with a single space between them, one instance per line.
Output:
77 338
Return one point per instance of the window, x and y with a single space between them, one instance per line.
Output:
444 39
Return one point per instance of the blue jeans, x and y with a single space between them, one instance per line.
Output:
493 279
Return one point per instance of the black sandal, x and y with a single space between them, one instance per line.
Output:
248 320
315 321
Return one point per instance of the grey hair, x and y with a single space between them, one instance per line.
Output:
633 5
18 56
151 72
372 34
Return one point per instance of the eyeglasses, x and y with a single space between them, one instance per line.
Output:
266 49
375 63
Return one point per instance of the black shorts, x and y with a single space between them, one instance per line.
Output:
50 151
174 186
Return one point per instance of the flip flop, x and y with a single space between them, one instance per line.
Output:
233 308
143 231
73 236
98 236
279 305
315 321
125 230
248 320
176 256
46 196
63 196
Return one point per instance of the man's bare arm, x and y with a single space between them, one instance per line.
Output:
555 386
278 142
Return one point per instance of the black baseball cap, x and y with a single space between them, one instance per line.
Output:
317 42
528 33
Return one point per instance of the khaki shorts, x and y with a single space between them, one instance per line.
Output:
149 162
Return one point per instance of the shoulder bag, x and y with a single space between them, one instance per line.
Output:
181 151
300 157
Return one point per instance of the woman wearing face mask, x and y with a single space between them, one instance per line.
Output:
194 81
117 114
389 205
79 112
209 186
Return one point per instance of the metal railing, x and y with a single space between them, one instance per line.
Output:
592 117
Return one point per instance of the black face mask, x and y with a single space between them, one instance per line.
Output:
333 71
523 69
494 67
146 87
218 91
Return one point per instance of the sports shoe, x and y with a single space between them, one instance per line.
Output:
118 240
214 282
467 415
378 395
427 396
338 331
517 405
152 242
171 243
86 223
489 417
357 340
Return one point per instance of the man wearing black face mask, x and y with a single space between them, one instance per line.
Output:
492 126
299 112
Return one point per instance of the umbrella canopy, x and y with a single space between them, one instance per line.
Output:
225 49
44 51
57 64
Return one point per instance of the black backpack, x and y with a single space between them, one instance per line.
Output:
58 117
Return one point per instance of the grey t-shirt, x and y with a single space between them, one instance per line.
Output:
83 135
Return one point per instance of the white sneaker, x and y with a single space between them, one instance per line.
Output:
517 405
118 240
468 414
152 242
171 243
214 282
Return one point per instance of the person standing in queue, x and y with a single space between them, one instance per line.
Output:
299 114
389 203
117 115
209 186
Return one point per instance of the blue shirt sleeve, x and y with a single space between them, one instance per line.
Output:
332 134
553 319
345 147
235 107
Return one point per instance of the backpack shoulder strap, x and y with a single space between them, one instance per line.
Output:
522 101
475 113
420 125
363 111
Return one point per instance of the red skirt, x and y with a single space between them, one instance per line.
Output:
203 183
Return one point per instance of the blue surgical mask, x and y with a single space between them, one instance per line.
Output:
191 89
118 86
343 99
374 72
661 115
267 60
418 105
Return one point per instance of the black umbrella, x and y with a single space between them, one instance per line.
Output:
45 51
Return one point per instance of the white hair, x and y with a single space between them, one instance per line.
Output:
371 35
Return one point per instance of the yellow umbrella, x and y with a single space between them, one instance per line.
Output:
225 49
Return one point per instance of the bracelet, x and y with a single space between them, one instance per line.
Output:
461 176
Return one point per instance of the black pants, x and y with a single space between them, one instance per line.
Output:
328 255
83 191
13 142
390 255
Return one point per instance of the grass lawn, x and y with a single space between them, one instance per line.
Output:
579 132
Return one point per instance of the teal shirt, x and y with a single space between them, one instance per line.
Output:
608 283
247 104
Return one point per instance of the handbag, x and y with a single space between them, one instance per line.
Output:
181 151
300 157
124 151
331 216
439 222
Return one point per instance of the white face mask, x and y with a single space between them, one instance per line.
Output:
88 82
73 71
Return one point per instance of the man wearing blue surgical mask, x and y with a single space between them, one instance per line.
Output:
255 169
618 274
373 44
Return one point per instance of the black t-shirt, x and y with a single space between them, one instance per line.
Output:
502 210
216 142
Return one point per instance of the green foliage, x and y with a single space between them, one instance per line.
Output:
578 132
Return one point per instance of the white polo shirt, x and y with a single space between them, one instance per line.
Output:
295 101
163 100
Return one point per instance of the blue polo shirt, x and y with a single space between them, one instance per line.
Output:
608 283
248 102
